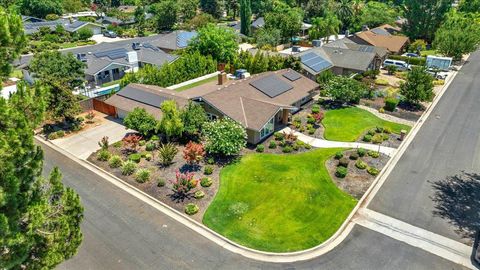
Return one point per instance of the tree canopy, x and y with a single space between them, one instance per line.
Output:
140 120
193 117
40 8
224 137
171 124
12 40
245 17
219 42
165 14
324 27
345 90
424 17
418 86
287 20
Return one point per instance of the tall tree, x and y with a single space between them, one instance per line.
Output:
193 118
12 40
345 12
61 73
325 27
469 6
458 35
245 17
40 8
418 86
171 124
166 14
287 20
219 42
424 17
39 218
188 9
212 7
140 19
231 7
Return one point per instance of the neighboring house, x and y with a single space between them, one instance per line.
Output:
175 40
107 20
261 104
29 19
345 43
72 27
383 36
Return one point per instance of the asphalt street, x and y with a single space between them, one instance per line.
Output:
447 145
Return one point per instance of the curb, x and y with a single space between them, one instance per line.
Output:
326 246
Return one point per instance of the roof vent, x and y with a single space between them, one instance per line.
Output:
82 57
136 46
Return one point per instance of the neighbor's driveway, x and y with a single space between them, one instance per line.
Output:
85 142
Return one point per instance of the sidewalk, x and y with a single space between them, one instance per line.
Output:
320 143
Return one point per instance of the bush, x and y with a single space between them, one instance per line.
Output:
373 154
381 82
387 130
420 61
287 149
354 156
367 138
377 138
210 161
166 153
142 142
128 167
361 152
115 161
150 146
208 170
391 104
379 129
117 144
307 146
341 172
343 162
142 175
52 136
60 133
315 108
225 137
260 148
372 132
361 164
381 110
278 136
154 138
84 33
272 145
373 171
191 209
103 155
135 157
148 157
199 194
385 137
311 131
206 182
311 120
338 155
161 182
193 153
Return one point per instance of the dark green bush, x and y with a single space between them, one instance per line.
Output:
391 104
361 152
191 209
150 146
343 162
206 182
272 145
338 155
278 136
210 161
208 170
315 108
377 138
260 148
379 129
135 157
367 138
373 171
341 172
287 149
354 156
103 155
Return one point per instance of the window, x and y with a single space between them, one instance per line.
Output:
267 129
211 117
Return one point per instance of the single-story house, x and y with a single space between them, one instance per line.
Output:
261 103
383 36
345 43
72 27
175 40
107 20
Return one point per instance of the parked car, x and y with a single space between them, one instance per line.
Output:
414 55
109 34
401 65
439 75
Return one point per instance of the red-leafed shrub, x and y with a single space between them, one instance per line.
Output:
193 153
130 142
183 183
318 117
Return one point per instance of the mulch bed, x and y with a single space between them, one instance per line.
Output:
393 140
165 193
404 110
357 181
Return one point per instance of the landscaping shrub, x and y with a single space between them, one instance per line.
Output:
210 161
148 157
191 209
193 153
315 108
381 110
367 138
52 136
103 143
391 104
103 155
338 155
307 146
142 175
287 149
311 131
208 170
372 132
128 167
318 117
260 148
373 154
225 137
438 82
373 171
420 61
296 147
311 120
142 142
381 82
385 136
272 145
150 146
115 161
60 133
206 182
387 130
161 182
135 157
361 164
183 183
166 153
341 172
199 194
130 142
354 156
377 138
278 136
117 144
361 152
154 138
343 162
144 154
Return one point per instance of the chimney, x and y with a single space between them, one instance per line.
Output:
222 78
221 67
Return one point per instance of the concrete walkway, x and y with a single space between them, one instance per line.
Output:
387 117
321 143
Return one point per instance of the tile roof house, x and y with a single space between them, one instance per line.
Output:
382 36
261 103
33 27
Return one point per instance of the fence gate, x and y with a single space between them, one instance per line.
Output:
103 107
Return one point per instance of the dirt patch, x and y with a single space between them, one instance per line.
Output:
165 193
72 128
357 181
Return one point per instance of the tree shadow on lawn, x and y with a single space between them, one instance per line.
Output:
457 199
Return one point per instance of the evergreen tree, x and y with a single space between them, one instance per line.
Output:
245 17
171 124
39 218
424 17
12 40
212 7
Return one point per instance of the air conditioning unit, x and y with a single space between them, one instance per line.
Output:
136 46
295 49
82 57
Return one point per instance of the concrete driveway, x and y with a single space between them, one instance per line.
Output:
100 39
84 143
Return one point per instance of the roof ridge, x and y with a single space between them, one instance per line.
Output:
243 111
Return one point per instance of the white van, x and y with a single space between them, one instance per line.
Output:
401 65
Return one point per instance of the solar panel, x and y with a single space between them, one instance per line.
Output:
112 54
271 85
315 62
142 97
184 37
292 75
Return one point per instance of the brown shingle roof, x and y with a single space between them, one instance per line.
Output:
392 43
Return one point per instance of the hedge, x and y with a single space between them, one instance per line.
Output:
421 61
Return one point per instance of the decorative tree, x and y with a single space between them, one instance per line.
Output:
245 17
171 124
140 120
183 184
193 153
193 118
418 86
219 42
130 142
224 137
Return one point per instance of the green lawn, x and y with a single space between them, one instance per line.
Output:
279 203
204 81
348 124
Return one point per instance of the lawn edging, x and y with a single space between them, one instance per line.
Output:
225 243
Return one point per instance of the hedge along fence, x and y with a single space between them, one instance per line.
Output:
420 61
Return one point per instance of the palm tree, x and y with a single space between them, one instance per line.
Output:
324 27
345 11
